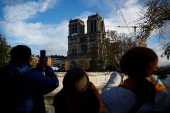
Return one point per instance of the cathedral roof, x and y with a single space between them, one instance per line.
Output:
95 16
76 21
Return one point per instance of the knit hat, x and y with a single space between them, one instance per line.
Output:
139 62
75 80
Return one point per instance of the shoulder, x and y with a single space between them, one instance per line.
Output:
91 86
59 98
34 72
118 99
161 104
110 94
110 97
163 98
93 90
35 75
163 95
59 95
117 94
1 68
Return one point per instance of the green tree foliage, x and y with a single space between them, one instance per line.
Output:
4 51
101 62
60 68
111 49
154 17
65 65
115 46
82 64
34 61
73 64
93 65
166 50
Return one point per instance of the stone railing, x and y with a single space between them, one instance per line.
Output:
97 78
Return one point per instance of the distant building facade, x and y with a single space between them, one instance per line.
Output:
79 43
57 60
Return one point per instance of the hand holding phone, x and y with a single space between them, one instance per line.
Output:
44 60
48 61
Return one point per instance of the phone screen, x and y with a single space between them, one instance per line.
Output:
43 53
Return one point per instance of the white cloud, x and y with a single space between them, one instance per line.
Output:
47 4
116 19
28 33
20 12
163 61
84 17
53 38
11 1
129 10
131 3
149 43
158 48
46 36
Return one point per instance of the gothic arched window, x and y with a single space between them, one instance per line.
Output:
75 28
72 51
95 26
92 26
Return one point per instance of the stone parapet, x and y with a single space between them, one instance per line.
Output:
97 78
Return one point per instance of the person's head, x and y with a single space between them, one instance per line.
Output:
75 80
21 53
139 62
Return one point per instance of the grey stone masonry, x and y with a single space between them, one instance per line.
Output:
99 79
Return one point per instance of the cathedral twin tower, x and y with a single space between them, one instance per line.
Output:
79 43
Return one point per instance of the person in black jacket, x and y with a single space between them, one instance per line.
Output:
22 88
78 95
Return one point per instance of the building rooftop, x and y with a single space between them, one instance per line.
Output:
76 20
94 16
58 56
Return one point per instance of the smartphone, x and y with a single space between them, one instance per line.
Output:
42 55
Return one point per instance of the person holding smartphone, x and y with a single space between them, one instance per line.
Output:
22 88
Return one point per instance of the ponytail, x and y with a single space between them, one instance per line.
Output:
145 93
145 90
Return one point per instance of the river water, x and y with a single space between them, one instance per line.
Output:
166 81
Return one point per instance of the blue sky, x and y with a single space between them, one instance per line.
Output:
43 24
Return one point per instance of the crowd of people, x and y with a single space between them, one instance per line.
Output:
23 87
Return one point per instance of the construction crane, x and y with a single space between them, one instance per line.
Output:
125 23
123 17
127 27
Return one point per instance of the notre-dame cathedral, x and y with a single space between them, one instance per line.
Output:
79 43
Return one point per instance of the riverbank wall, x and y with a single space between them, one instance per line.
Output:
99 79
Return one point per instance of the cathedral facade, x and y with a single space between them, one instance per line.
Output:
79 43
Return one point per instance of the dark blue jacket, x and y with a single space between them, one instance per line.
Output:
22 88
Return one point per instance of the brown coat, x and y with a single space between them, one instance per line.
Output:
86 102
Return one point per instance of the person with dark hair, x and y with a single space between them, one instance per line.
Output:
20 53
141 92
22 88
78 95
